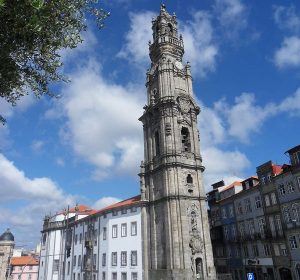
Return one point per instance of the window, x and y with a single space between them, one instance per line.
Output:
185 139
123 230
248 205
104 259
29 276
293 242
133 258
123 258
76 237
115 212
103 275
80 238
290 187
269 177
255 250
74 261
233 231
226 232
251 228
276 250
287 215
94 261
134 276
298 179
114 276
267 250
133 228
30 267
281 189
267 200
273 198
257 202
224 214
240 208
79 260
78 276
157 144
189 179
261 225
114 258
231 214
278 224
114 231
123 276
74 275
283 249
68 267
55 265
124 211
245 249
242 230
133 209
104 233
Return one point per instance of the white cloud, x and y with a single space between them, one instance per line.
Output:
291 104
37 146
136 41
199 44
231 15
104 202
287 18
60 162
223 165
288 55
102 124
24 201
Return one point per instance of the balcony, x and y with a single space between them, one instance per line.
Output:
54 225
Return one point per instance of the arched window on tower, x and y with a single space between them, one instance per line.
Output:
185 139
189 179
170 29
157 145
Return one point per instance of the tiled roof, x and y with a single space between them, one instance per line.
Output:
24 260
127 202
234 184
80 209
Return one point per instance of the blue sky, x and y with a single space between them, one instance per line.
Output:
86 146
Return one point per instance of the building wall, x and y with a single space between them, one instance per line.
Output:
29 272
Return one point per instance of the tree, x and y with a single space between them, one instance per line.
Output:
32 33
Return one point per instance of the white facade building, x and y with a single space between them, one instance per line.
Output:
96 245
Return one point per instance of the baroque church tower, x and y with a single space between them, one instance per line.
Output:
176 239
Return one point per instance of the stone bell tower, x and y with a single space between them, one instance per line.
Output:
175 225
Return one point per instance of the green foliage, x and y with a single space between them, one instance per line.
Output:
32 33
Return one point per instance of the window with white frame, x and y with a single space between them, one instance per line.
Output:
293 242
114 231
76 237
94 261
114 259
276 250
123 258
272 225
123 230
290 187
79 261
133 228
251 227
74 261
133 258
269 177
133 209
134 276
104 233
103 276
104 259
123 276
267 200
124 211
80 238
257 202
114 276
273 198
242 230
295 212
263 180
115 212
78 276
281 189
233 231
